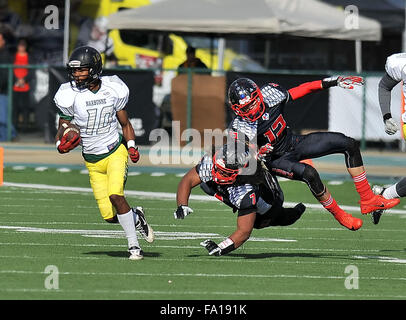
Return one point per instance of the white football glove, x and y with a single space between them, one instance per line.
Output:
349 82
264 151
211 247
390 126
182 211
345 82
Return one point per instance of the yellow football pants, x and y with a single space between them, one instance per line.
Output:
107 177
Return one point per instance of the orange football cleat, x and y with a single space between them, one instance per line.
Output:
348 221
378 202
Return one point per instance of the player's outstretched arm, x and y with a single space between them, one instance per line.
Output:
245 224
186 184
304 89
345 82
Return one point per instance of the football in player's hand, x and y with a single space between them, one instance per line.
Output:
71 132
69 138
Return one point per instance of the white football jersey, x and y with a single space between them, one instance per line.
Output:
95 113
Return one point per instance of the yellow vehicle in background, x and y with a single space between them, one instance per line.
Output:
139 49
142 49
103 8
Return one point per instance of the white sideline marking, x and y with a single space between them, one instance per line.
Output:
382 259
19 168
172 196
180 175
160 235
41 169
135 173
158 174
335 183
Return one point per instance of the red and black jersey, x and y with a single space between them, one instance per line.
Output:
248 194
271 127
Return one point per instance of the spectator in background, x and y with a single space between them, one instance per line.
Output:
21 88
191 61
8 18
94 33
5 58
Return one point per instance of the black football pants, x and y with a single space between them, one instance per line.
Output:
310 146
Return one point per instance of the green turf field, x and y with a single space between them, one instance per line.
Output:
54 245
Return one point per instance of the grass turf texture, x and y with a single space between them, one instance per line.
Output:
311 259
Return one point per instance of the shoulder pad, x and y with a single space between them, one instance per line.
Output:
204 168
64 97
117 84
274 94
395 65
244 128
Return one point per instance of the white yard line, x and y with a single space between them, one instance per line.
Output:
170 196
198 275
363 260
180 247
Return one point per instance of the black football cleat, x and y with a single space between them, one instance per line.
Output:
142 226
376 215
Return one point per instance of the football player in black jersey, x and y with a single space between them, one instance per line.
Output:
260 117
257 198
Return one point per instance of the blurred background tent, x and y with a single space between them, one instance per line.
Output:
304 18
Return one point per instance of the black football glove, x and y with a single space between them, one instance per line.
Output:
182 211
212 247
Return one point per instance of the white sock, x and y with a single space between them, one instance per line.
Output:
390 193
127 222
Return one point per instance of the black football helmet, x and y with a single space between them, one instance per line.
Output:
229 161
246 99
84 57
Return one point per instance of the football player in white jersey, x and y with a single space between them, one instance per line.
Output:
257 198
395 72
96 105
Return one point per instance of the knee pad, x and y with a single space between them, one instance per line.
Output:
312 178
353 156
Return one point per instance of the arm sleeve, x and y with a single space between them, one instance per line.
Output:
384 92
304 89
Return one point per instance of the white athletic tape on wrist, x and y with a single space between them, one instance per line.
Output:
130 143
225 243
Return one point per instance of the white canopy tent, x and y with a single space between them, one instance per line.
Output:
305 18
